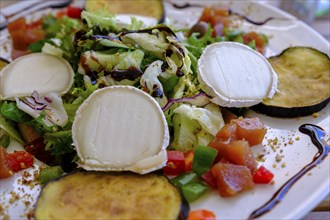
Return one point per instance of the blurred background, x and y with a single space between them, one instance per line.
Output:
315 13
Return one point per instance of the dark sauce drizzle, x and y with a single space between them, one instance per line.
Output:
316 134
250 20
187 5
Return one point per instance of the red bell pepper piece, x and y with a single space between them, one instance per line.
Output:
175 164
263 175
188 159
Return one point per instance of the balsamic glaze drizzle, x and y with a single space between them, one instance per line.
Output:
187 5
316 134
250 20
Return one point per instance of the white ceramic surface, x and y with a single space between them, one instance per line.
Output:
295 148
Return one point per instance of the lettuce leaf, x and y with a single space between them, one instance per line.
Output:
103 61
104 22
161 41
185 130
8 126
151 84
209 117
195 126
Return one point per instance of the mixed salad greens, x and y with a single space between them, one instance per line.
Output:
104 52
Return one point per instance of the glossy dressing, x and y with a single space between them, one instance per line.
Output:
316 134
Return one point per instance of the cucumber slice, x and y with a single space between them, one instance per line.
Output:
303 88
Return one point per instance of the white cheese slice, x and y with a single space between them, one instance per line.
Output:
120 128
235 75
39 72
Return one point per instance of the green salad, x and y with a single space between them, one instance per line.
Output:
103 52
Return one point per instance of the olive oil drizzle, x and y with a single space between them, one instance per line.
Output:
316 134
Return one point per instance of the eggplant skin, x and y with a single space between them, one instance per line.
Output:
275 111
3 63
304 79
101 195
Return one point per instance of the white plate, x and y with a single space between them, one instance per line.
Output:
294 147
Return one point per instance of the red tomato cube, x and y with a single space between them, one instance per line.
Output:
5 169
231 178
20 160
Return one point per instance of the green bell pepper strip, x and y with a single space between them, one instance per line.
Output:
203 159
185 179
193 191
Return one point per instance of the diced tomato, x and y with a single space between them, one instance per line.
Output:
217 19
20 160
263 175
224 136
188 159
23 34
209 179
259 40
175 164
5 169
35 24
34 35
18 38
74 12
22 38
206 14
219 145
61 13
221 11
250 129
228 131
19 24
201 214
239 153
231 178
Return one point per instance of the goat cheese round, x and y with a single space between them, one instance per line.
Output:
235 75
39 72
120 128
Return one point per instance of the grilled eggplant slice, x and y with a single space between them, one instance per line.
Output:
99 195
149 8
3 63
304 79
